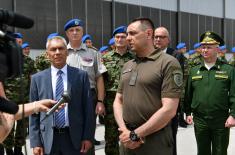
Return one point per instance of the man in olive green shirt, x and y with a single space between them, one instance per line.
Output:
210 97
148 95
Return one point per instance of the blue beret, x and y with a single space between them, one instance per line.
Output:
180 46
24 45
103 48
233 49
190 52
196 45
222 47
52 35
120 29
111 41
18 35
86 37
73 23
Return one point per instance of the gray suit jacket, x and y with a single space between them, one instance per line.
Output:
80 109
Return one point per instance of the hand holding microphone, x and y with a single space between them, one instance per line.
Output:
64 98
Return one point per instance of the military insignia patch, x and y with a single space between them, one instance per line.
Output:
178 78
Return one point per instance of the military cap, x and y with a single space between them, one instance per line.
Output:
73 23
190 52
24 45
233 50
222 47
196 45
111 42
103 48
18 35
86 37
120 29
52 35
210 37
180 46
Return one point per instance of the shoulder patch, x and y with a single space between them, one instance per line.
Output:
178 78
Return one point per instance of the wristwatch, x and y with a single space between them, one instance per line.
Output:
134 137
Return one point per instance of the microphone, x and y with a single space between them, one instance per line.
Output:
8 106
64 98
13 19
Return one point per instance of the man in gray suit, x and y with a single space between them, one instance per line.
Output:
70 131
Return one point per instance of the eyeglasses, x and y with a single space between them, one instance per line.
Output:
160 37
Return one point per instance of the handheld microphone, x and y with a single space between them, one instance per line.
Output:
64 98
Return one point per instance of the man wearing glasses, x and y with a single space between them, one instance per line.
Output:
162 40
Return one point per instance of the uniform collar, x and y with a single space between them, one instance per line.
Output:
114 52
217 65
83 47
152 57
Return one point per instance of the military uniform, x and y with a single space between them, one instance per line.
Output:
114 63
144 82
210 97
194 60
17 90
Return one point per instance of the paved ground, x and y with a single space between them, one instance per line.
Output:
186 141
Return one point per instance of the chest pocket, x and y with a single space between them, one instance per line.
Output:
221 76
86 61
197 78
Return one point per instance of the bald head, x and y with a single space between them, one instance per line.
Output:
161 38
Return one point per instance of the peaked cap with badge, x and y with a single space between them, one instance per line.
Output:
211 38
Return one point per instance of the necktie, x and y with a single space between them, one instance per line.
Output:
60 115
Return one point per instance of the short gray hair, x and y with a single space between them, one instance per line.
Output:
56 37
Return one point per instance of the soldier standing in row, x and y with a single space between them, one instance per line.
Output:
114 61
17 90
221 53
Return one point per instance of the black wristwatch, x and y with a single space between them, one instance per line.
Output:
134 137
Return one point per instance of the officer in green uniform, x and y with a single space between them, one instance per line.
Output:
221 53
232 60
17 90
114 61
210 97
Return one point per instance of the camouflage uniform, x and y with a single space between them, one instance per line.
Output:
114 63
195 60
17 90
41 62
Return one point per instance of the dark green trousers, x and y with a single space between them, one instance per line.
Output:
211 136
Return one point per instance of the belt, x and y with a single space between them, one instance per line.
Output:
61 130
